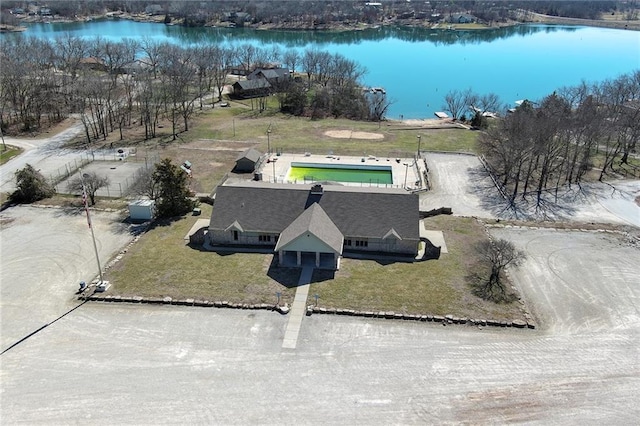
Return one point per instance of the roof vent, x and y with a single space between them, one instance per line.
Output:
316 190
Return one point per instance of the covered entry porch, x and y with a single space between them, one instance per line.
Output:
311 239
317 259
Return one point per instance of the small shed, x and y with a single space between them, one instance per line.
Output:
247 161
142 210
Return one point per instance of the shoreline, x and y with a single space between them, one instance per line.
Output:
341 27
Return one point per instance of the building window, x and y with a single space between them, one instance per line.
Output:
347 243
264 238
362 243
235 235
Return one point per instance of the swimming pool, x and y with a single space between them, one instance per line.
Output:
313 172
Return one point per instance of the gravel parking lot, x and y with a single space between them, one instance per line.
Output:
137 364
117 364
45 253
460 181
578 281
141 364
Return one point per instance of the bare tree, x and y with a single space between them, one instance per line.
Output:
178 75
499 254
310 62
89 182
145 185
291 58
457 102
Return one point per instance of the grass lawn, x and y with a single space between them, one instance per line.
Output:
9 153
438 287
162 264
217 136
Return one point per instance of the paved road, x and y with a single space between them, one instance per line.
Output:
43 154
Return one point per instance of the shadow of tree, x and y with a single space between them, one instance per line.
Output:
479 284
551 206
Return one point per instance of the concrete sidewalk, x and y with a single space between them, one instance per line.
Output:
298 309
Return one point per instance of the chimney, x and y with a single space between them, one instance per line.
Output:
316 189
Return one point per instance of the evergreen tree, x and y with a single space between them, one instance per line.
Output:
173 190
31 186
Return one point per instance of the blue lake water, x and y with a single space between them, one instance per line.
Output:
417 66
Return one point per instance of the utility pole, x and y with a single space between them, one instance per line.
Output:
93 237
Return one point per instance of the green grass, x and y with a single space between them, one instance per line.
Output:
297 134
162 264
438 287
9 153
217 136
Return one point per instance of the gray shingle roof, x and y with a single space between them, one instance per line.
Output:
357 212
315 221
269 73
258 83
250 154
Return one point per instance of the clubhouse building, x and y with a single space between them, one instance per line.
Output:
317 223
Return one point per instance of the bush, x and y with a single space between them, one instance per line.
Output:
31 186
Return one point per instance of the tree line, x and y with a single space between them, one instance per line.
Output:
114 85
315 14
541 146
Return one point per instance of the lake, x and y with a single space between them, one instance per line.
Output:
418 66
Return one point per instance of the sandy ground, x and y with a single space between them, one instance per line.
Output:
426 123
349 134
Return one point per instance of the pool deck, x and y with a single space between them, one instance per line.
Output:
404 172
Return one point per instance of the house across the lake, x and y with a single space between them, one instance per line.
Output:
316 223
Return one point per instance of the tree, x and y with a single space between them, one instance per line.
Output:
173 190
144 184
31 186
456 102
499 254
293 100
89 182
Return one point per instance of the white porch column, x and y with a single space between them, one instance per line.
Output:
281 257
299 253
317 259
